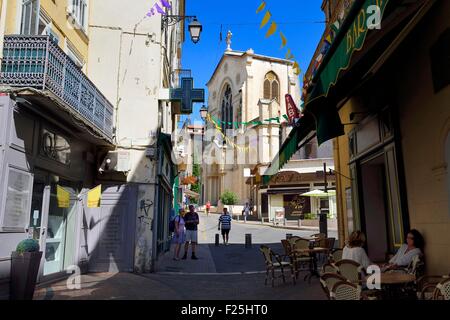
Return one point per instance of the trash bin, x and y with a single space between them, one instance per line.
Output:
323 216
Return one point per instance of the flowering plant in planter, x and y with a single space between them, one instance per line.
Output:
27 245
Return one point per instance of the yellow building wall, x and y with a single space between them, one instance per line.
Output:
57 11
425 124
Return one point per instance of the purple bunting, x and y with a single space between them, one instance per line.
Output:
166 4
158 8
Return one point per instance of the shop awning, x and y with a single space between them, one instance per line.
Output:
320 112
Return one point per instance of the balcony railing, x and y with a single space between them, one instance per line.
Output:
37 62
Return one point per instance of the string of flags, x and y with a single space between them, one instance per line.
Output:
272 30
236 124
224 137
156 8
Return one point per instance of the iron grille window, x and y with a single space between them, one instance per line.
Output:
30 17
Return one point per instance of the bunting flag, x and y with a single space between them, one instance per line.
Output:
94 197
261 7
272 29
62 197
297 69
266 19
166 4
283 40
158 8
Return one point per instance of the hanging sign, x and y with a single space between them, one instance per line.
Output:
94 197
62 197
291 110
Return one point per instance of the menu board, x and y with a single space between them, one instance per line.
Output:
17 200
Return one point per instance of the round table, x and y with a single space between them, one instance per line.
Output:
313 252
393 282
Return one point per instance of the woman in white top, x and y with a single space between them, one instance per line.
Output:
354 250
405 255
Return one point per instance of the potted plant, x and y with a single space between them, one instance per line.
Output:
25 263
229 199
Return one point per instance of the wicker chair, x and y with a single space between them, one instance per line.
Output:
442 291
344 290
301 259
275 262
293 239
426 285
350 270
328 280
335 255
329 268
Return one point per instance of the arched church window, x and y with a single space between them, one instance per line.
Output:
271 86
227 109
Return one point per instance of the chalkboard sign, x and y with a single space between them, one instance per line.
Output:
17 206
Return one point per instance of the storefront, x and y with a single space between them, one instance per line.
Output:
46 165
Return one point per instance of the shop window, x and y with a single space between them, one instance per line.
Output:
55 147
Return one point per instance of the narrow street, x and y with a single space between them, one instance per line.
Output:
223 272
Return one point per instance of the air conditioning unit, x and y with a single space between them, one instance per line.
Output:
116 161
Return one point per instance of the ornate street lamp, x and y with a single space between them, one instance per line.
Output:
204 112
195 27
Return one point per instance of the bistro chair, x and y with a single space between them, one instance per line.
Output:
329 268
350 270
442 291
293 239
335 255
426 285
275 262
327 243
328 280
344 290
300 259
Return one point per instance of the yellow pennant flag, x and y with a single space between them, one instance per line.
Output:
296 67
62 197
266 19
272 29
94 197
283 40
288 53
261 7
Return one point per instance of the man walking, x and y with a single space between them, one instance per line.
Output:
225 223
208 207
191 220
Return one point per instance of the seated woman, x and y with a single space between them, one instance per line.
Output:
405 255
354 250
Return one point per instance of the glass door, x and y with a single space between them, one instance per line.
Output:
61 232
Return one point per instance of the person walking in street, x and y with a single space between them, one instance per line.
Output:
208 207
246 211
179 234
191 220
225 225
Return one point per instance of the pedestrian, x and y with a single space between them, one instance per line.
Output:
246 211
191 220
225 225
179 234
208 207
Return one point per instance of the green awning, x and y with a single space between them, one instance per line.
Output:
289 147
320 112
350 39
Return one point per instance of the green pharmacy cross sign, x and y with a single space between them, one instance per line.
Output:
187 95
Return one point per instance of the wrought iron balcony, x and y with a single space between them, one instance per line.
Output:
37 62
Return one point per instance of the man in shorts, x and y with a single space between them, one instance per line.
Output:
225 223
191 220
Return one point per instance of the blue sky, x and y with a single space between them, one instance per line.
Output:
301 21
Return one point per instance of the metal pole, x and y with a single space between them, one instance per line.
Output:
325 176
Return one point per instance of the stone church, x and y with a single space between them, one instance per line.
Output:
245 90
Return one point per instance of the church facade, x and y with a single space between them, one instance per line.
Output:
245 90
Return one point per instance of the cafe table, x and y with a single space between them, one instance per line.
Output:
392 284
313 252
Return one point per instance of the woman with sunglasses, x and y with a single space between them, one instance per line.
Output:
405 255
